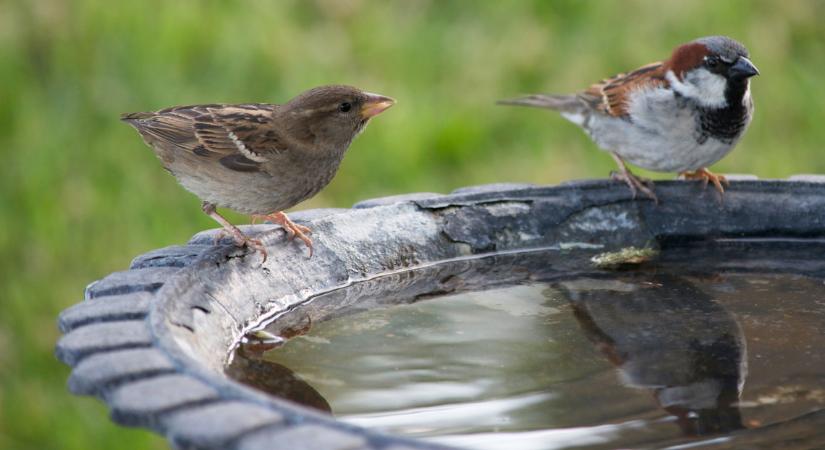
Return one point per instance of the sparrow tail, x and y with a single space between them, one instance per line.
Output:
132 117
563 103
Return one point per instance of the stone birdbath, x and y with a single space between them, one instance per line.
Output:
153 341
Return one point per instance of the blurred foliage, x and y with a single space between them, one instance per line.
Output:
81 194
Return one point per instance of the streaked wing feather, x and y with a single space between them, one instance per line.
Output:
247 129
611 96
238 137
239 163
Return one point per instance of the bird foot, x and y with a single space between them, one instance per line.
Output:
292 229
241 240
707 176
633 182
636 183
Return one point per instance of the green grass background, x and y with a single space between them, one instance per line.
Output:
81 194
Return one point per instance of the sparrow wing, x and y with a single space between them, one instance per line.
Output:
239 137
612 96
243 135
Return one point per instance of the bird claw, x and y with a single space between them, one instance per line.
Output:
258 246
294 230
303 229
291 228
707 176
241 240
635 183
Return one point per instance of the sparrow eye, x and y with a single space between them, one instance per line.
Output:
345 107
712 62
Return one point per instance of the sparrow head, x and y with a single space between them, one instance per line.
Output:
332 115
713 71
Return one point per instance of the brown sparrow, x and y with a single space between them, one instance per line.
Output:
681 115
257 158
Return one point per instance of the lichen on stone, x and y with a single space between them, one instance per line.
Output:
627 255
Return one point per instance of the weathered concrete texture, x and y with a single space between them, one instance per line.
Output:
102 371
738 177
131 306
214 426
102 337
810 178
393 199
139 280
152 341
173 256
493 187
315 214
143 402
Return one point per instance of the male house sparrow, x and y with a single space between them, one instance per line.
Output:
257 158
680 115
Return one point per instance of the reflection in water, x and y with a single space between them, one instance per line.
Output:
625 360
276 379
665 335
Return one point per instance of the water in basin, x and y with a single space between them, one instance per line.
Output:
642 358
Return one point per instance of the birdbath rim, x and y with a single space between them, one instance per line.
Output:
152 341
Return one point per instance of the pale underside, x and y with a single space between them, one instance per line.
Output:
256 192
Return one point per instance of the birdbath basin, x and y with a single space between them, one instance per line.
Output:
498 316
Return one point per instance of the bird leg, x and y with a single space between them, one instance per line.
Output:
241 239
633 182
292 229
706 175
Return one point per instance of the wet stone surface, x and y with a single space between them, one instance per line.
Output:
698 347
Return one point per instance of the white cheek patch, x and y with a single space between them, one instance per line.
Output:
706 88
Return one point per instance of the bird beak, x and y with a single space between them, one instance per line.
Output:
375 105
743 68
